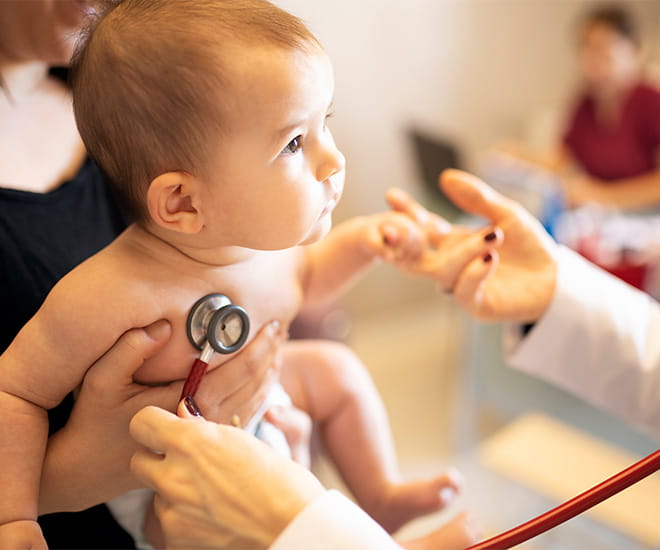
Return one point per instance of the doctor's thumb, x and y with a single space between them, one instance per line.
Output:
474 196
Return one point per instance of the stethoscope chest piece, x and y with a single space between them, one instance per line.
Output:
216 320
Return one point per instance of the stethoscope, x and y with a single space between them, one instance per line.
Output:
214 324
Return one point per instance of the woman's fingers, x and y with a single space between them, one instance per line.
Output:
239 380
247 400
118 365
471 194
446 264
469 289
251 362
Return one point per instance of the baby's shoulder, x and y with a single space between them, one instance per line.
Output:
110 281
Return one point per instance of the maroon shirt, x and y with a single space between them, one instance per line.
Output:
626 149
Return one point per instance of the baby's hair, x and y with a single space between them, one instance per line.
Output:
147 82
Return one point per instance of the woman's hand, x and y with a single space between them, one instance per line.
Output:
87 461
217 486
515 278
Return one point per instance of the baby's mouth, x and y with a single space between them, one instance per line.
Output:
332 203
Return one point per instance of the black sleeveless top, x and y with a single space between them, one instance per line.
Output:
42 237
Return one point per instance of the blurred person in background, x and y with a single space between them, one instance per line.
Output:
608 150
613 132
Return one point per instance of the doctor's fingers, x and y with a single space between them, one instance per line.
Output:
171 481
155 428
447 263
434 226
471 290
474 196
184 528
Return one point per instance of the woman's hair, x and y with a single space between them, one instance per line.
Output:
615 17
148 78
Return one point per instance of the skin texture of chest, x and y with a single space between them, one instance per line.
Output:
267 287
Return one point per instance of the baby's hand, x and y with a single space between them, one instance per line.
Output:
449 249
394 237
22 535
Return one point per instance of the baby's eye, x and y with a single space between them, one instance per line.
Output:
293 145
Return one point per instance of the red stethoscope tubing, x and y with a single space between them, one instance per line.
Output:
573 507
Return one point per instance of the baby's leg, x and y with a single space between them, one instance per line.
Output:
328 381
457 534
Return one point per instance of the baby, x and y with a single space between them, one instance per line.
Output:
210 118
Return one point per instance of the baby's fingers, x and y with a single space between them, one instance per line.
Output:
447 263
393 238
433 225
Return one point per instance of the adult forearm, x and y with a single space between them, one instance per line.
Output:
631 193
76 476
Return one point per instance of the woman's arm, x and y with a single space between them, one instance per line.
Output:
627 194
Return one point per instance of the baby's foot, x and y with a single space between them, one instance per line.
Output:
459 533
405 501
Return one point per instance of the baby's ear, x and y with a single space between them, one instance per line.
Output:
173 202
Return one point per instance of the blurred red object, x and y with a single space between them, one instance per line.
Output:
622 265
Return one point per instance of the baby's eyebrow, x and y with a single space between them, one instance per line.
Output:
284 132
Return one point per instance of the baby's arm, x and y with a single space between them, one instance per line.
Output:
350 249
46 360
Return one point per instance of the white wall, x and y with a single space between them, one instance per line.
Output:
473 70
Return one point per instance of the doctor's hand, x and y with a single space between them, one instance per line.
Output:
514 279
87 461
217 486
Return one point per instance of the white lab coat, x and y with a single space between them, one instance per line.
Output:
332 522
599 339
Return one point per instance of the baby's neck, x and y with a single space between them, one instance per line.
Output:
169 247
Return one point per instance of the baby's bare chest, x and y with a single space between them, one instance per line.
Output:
267 288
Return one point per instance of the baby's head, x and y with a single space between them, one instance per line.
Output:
209 117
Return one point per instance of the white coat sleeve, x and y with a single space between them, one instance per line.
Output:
332 522
599 339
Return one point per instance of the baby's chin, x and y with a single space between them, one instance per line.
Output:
320 230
